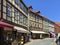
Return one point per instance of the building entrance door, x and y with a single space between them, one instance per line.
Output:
1 36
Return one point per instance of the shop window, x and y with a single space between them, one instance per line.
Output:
9 10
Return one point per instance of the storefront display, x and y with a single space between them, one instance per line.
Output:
22 35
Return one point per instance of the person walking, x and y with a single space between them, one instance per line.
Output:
58 41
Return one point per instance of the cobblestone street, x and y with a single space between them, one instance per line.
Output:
47 41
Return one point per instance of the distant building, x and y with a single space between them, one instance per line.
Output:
39 25
57 27
58 23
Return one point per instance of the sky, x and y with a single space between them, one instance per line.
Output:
48 8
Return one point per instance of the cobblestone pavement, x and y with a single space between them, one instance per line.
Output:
46 41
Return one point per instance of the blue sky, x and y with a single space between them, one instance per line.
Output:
49 8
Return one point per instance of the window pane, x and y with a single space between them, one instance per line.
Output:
16 1
21 17
9 10
16 15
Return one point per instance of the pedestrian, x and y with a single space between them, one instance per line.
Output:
58 42
57 38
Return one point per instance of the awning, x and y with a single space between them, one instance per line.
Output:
22 30
5 25
38 32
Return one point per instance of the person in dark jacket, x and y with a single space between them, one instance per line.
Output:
58 42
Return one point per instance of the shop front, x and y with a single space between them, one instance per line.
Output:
37 34
5 33
21 35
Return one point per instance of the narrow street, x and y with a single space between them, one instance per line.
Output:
47 41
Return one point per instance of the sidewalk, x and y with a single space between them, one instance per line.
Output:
54 43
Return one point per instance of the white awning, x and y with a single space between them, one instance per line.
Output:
22 30
38 32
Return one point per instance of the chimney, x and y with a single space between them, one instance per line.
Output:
38 12
30 8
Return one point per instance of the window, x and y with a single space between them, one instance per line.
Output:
25 20
33 24
21 6
9 10
40 25
30 24
16 2
16 14
37 18
21 18
25 10
31 16
40 20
